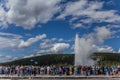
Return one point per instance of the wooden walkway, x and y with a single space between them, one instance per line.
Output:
45 77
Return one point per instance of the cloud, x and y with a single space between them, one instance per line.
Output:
30 41
3 21
106 49
27 13
53 45
102 33
88 44
55 48
5 58
14 41
72 7
59 47
9 40
54 39
85 12
61 39
80 12
28 56
46 44
103 48
49 42
10 35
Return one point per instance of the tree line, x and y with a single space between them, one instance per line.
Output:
66 59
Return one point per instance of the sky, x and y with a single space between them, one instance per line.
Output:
38 27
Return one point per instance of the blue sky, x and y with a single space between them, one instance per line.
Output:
36 27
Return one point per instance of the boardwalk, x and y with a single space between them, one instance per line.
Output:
2 77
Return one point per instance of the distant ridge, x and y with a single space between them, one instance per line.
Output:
66 59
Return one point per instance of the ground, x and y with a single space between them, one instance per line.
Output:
38 77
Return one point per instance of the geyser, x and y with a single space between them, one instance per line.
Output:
83 49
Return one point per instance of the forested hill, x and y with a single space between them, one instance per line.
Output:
49 59
66 59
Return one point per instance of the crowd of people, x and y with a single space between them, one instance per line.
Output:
59 70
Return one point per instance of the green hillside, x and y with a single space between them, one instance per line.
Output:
66 59
107 58
49 59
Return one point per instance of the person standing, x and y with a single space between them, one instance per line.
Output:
48 70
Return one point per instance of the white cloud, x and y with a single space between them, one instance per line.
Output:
102 33
53 39
55 48
103 48
60 40
9 40
10 35
30 41
72 8
42 52
106 49
3 21
14 41
5 58
59 47
32 12
28 56
77 25
46 44
88 45
88 12
82 12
